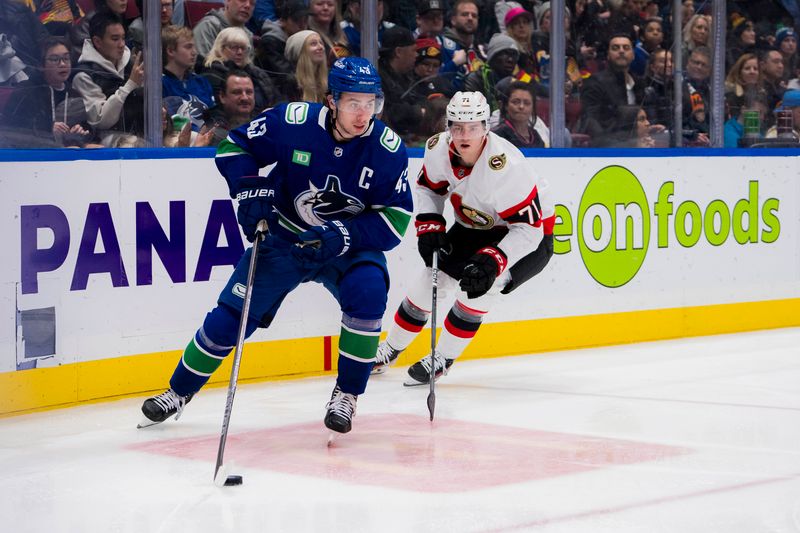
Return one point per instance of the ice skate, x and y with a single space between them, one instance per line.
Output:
385 357
159 408
340 411
420 372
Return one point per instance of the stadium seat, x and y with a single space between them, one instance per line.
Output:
197 9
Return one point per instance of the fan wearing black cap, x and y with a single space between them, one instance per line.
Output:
398 56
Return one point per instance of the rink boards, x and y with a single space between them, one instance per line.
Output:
111 264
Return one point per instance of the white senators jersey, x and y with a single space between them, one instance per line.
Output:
500 190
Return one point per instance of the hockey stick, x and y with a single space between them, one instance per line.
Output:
434 286
221 478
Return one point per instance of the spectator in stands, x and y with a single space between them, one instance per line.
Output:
136 29
231 50
184 91
742 78
752 100
697 97
626 19
697 32
592 28
500 63
518 115
109 79
234 14
742 40
306 50
58 16
292 18
24 34
185 137
603 93
403 111
352 24
519 26
634 128
430 18
402 12
786 43
770 66
541 48
461 35
791 103
325 18
80 32
428 83
263 11
45 106
657 100
651 37
236 105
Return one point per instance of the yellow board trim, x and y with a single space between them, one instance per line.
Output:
72 384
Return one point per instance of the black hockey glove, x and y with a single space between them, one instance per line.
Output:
481 271
255 198
431 235
320 244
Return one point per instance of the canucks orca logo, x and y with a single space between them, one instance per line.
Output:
316 206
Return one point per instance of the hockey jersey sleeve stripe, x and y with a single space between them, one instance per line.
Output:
423 180
228 148
548 224
396 219
531 200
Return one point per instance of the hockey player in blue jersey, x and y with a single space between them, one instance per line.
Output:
339 183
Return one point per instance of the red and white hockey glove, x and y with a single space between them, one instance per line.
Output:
431 235
481 271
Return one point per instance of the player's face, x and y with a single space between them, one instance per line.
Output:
467 137
353 113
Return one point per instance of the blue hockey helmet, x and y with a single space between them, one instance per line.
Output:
355 75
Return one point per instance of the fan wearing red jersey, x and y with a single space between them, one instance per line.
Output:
501 237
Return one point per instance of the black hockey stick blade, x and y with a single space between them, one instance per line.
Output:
431 403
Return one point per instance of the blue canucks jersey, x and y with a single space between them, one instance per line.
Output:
363 181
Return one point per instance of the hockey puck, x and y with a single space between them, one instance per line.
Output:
233 480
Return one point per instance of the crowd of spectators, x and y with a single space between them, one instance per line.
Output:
72 71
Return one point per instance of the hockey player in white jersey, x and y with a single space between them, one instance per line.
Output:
502 236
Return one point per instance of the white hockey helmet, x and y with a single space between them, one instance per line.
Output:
467 106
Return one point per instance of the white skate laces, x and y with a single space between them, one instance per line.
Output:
342 404
169 401
439 362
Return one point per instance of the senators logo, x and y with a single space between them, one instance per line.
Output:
496 162
432 141
470 215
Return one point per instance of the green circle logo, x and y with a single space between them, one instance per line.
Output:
613 226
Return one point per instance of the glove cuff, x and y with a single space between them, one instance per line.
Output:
430 223
496 254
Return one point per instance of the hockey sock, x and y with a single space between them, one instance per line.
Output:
408 322
208 348
358 342
460 327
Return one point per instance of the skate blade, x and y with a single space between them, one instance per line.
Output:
411 382
332 438
146 423
379 370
